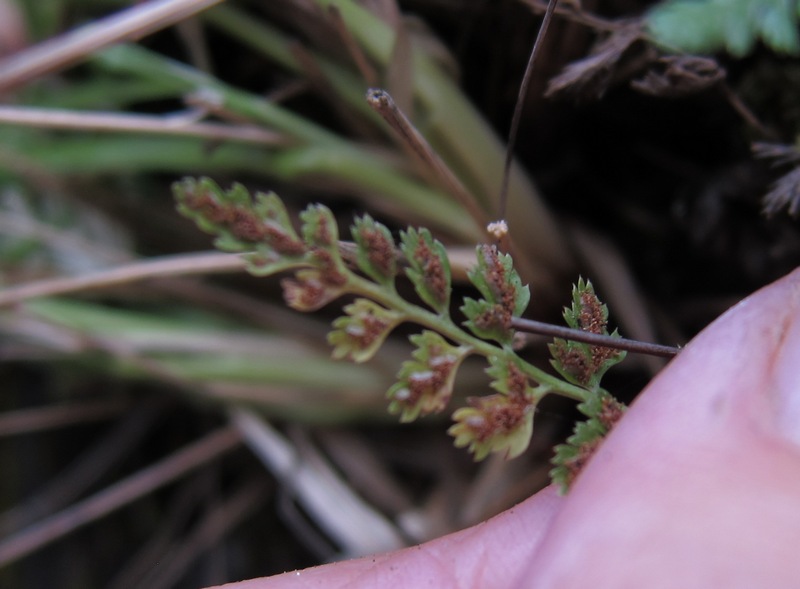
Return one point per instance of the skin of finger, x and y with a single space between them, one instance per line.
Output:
699 484
715 504
491 554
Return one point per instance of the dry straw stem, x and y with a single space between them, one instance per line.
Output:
118 495
413 141
354 524
110 122
205 263
71 47
217 521
45 418
168 267
453 118
94 463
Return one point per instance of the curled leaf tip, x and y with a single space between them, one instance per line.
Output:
258 226
429 268
581 363
376 253
504 296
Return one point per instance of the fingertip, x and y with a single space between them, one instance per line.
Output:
697 485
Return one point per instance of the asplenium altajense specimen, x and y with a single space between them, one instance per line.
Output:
260 229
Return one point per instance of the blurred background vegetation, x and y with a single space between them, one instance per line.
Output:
168 422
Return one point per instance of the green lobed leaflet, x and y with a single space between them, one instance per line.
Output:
259 228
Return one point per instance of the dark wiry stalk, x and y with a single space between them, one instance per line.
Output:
523 90
607 341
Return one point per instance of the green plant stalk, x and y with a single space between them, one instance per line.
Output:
298 372
120 154
446 327
321 274
98 92
126 154
159 338
138 61
359 166
412 198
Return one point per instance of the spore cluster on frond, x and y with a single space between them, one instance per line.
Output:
259 228
585 364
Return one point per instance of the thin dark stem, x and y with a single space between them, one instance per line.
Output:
607 341
523 91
